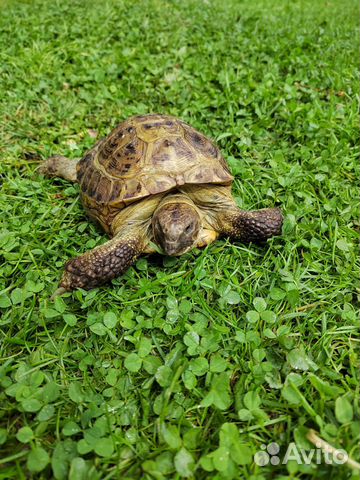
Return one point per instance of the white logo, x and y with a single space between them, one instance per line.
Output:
270 454
267 454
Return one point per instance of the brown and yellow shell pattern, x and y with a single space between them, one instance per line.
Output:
146 155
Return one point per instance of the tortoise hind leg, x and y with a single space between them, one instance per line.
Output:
58 166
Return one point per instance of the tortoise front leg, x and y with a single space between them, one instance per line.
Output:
101 264
251 226
226 218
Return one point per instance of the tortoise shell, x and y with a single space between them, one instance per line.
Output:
146 155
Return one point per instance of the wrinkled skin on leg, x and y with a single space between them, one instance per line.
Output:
131 239
102 264
224 216
253 226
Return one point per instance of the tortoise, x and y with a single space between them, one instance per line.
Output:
154 184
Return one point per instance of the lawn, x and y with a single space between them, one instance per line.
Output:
183 367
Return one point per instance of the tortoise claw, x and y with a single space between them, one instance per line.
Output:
57 293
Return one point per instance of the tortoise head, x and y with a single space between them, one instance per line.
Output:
176 226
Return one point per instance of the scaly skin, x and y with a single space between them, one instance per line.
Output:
223 215
254 226
101 264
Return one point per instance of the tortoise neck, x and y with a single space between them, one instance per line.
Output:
136 215
176 197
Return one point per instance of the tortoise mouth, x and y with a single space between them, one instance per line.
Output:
173 249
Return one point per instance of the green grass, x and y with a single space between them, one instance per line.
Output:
182 367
